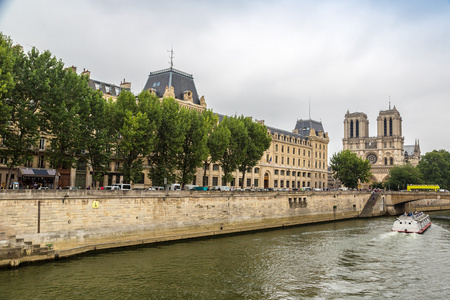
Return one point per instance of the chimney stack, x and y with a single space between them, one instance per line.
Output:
86 72
125 85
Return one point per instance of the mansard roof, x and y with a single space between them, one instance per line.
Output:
106 88
274 130
304 126
180 81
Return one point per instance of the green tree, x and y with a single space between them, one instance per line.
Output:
400 176
435 168
195 145
7 62
62 111
134 131
31 73
256 143
217 143
234 154
349 168
97 136
170 135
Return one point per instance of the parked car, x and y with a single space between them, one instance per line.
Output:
70 188
111 187
123 186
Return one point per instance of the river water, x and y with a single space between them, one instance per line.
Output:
354 259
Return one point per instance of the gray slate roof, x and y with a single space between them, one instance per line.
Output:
304 126
106 88
180 81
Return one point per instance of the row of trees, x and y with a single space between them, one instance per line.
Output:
433 168
39 97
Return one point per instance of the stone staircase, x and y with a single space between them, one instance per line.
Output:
12 249
368 208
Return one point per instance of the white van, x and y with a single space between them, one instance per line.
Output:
173 187
123 186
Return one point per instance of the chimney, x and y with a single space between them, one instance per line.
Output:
125 85
74 69
86 72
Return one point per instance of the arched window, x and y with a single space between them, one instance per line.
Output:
351 128
357 128
391 161
385 127
385 161
390 127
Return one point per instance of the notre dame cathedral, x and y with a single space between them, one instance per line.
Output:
385 150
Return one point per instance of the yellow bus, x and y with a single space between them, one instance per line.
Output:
422 187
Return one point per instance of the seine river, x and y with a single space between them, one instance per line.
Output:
355 259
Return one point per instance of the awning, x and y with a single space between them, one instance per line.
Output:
37 172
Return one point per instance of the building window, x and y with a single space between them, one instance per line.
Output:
351 128
117 166
215 167
249 181
215 181
281 183
391 161
41 163
256 170
287 162
390 127
288 173
276 172
255 182
357 128
287 183
282 160
42 144
282 172
276 147
275 183
282 148
276 159
288 149
385 161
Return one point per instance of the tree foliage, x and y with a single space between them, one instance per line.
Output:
435 168
349 168
256 143
234 154
400 176
134 122
31 74
195 146
170 135
217 144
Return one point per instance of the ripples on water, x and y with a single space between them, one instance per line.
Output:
355 259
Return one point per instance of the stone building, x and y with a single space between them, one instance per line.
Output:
386 149
295 159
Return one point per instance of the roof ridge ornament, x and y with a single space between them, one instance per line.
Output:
171 57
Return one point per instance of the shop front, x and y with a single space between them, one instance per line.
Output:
30 178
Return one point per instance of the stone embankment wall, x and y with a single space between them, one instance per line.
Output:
70 222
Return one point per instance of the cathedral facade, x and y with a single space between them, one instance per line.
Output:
386 149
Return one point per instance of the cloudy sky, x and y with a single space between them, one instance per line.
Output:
265 59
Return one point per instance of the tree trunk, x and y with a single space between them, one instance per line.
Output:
243 179
8 181
206 166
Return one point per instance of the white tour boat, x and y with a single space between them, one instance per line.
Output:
416 222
